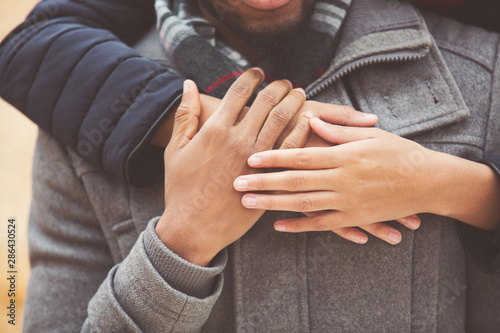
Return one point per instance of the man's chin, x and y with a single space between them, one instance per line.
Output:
272 36
272 40
270 27
273 29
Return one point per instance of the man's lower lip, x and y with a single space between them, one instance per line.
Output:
266 4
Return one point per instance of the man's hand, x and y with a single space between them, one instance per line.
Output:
208 105
334 114
203 213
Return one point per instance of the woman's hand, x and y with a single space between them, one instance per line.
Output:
368 177
203 213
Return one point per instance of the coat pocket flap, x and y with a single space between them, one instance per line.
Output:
410 97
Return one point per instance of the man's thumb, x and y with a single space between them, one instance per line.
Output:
187 116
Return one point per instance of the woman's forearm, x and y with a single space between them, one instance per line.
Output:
465 190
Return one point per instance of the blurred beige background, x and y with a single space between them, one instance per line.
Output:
17 138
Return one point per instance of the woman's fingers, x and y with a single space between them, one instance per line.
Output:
296 202
389 234
336 222
383 231
300 180
411 222
302 158
352 234
341 114
325 221
340 134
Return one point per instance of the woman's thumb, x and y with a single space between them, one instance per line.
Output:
338 134
187 116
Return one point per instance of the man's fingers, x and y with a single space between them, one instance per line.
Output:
266 100
279 117
237 96
300 132
186 117
340 134
383 231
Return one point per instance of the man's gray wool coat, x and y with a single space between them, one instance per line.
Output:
97 265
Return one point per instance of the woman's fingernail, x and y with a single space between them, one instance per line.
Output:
370 116
413 222
318 121
309 114
186 86
279 227
361 239
301 91
240 184
394 237
249 201
254 161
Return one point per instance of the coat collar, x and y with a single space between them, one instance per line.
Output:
394 68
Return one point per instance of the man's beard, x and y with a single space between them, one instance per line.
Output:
279 40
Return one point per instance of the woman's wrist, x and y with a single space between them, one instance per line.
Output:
464 190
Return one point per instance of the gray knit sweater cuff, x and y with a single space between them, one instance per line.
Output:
185 277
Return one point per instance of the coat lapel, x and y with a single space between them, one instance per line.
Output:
395 69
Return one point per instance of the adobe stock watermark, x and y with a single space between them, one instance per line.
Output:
127 102
407 167
45 12
266 311
449 293
322 253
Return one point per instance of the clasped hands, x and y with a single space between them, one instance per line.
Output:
350 179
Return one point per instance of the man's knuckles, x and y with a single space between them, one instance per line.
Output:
268 97
279 117
241 90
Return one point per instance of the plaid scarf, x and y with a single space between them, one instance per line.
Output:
191 43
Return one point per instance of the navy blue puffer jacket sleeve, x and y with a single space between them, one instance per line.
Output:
69 69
